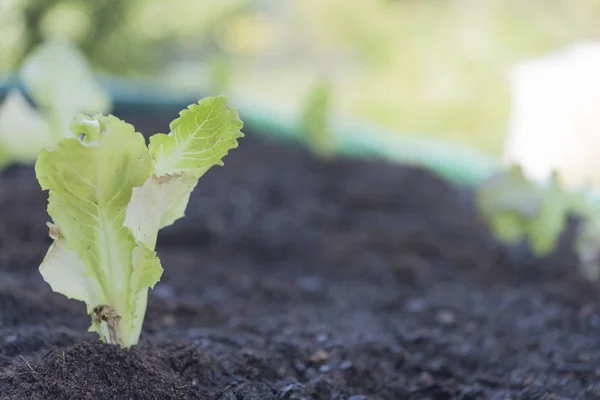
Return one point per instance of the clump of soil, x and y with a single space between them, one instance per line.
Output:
297 279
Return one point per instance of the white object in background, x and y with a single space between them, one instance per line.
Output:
555 117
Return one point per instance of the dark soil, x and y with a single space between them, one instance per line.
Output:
297 279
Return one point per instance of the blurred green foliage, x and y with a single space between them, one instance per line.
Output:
517 209
127 37
315 119
440 67
437 68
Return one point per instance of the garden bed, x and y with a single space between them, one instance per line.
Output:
292 278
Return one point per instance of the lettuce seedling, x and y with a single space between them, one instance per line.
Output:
517 209
59 80
110 194
315 120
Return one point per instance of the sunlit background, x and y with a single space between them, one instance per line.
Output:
436 68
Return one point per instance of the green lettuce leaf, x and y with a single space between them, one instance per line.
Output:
202 135
67 274
167 197
108 203
199 139
90 187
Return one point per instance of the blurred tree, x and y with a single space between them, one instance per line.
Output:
106 17
128 37
33 11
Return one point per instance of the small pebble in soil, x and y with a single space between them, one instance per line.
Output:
169 319
319 356
346 364
446 317
418 336
471 393
426 379
288 388
324 369
438 368
10 338
322 338
416 306
299 366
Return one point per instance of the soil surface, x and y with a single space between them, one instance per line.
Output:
292 278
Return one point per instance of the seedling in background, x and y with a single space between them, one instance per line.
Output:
517 209
315 120
59 80
220 73
110 194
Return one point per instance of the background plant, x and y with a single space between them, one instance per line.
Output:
315 120
59 80
517 209
437 68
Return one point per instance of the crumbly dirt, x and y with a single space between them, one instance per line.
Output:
292 278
